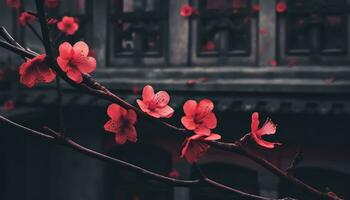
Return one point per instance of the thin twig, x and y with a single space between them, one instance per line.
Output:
35 32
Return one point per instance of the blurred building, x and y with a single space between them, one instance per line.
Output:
288 63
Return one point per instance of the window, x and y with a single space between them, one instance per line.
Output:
137 32
314 32
224 32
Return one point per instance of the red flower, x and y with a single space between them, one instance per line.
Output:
155 105
8 105
273 63
199 117
186 10
35 71
68 25
51 21
194 146
1 74
255 7
75 60
281 7
209 46
51 3
121 123
268 128
174 174
13 3
26 18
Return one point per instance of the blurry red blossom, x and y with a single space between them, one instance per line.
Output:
52 21
209 46
268 128
13 3
75 60
174 174
155 105
26 18
262 31
199 116
255 7
329 80
273 63
8 105
281 7
51 3
2 74
186 10
35 71
195 147
121 123
68 25
195 81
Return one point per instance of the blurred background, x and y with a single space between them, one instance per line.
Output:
288 60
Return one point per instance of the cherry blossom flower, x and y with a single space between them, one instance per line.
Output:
121 123
13 3
269 128
2 74
199 117
51 3
35 71
75 60
281 7
194 146
255 7
174 174
155 105
68 25
273 63
26 18
262 31
209 46
8 105
52 21
186 10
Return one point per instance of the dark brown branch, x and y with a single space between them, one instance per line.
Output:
59 139
297 159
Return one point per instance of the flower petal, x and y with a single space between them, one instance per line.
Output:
86 64
147 93
190 107
188 122
212 137
28 79
132 117
131 133
63 63
66 50
120 138
166 111
210 121
202 130
81 48
75 75
114 111
195 150
143 106
205 106
161 99
269 128
255 122
111 126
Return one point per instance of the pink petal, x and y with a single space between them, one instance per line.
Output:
132 117
166 111
66 50
255 122
131 133
188 122
28 79
205 106
63 63
210 121
269 128
120 138
86 65
114 111
264 143
81 48
212 137
111 126
154 114
161 99
202 130
147 93
190 107
75 75
195 150
143 106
